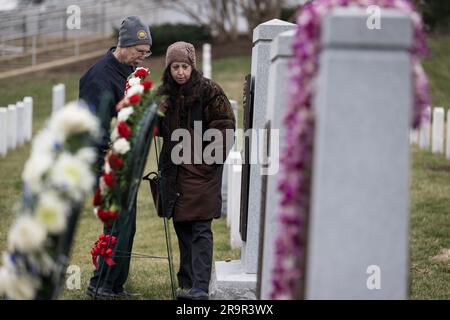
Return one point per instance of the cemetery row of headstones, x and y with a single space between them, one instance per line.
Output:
16 120
434 132
357 230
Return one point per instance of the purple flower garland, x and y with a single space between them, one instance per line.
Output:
294 185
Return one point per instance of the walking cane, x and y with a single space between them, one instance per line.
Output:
166 228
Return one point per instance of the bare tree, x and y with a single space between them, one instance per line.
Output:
219 15
259 11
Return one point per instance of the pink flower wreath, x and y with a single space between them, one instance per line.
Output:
294 184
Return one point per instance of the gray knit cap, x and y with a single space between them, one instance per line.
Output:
133 32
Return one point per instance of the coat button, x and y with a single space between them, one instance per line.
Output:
178 194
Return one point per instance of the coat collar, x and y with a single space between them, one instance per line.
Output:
111 60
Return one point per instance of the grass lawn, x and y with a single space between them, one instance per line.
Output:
147 276
430 190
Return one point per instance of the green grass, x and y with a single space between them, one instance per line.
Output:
430 190
147 276
437 66
430 225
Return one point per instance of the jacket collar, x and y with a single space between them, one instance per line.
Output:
111 60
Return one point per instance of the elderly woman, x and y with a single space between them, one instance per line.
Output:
191 190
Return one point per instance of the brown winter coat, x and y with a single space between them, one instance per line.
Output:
193 191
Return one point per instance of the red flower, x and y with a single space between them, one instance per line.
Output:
141 72
109 178
147 84
97 197
134 99
107 216
124 130
114 161
103 248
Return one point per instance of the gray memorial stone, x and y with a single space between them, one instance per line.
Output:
263 36
229 278
281 52
358 227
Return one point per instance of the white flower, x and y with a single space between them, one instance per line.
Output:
73 119
26 235
114 134
121 146
52 213
44 142
88 155
136 89
107 167
134 81
34 170
4 280
125 113
73 175
17 287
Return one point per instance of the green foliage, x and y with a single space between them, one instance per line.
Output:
288 14
437 67
436 14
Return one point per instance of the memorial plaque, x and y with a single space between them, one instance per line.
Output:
248 120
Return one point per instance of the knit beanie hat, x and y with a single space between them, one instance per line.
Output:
181 52
133 32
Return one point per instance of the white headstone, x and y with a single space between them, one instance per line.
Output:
424 141
437 138
3 131
21 123
281 52
12 127
447 147
227 172
234 106
59 97
263 36
206 60
358 228
28 102
414 136
237 279
234 197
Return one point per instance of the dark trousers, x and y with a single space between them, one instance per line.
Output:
195 240
124 230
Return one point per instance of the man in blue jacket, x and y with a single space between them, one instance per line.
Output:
108 76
